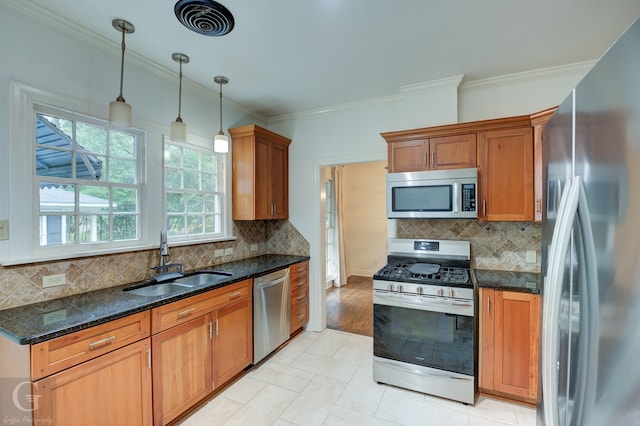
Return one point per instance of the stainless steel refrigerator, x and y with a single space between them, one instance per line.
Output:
590 356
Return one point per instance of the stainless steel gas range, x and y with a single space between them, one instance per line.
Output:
424 319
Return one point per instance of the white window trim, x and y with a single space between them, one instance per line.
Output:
20 248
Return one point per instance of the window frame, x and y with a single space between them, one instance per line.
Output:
222 175
40 109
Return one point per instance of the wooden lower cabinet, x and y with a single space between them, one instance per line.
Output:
509 342
233 341
299 302
191 359
181 368
113 389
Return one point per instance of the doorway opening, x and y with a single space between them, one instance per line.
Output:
354 240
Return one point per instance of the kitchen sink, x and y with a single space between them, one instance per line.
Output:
159 289
203 278
178 284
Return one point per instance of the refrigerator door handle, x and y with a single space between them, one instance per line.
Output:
551 309
589 332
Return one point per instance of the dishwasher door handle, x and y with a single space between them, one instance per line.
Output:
271 283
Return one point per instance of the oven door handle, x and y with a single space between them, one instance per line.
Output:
424 303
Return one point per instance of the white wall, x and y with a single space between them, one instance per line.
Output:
365 217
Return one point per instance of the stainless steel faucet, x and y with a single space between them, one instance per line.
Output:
167 270
165 258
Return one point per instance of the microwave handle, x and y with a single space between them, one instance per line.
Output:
456 197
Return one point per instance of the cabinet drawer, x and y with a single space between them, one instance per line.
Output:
167 316
300 296
299 316
299 270
66 351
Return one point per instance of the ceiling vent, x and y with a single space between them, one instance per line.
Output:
205 17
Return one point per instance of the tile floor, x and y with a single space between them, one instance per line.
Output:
326 379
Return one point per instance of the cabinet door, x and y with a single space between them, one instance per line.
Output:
408 156
279 176
537 172
486 309
113 389
452 152
181 368
505 158
517 331
263 205
233 341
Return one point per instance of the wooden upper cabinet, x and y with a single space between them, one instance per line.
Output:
440 153
452 152
408 156
260 174
538 120
505 159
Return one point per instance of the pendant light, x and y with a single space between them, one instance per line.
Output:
120 110
178 129
221 141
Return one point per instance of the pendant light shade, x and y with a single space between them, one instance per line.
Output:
178 129
221 141
120 110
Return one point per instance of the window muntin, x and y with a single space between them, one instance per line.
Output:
194 192
88 179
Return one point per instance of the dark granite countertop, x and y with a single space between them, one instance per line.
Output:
46 320
527 282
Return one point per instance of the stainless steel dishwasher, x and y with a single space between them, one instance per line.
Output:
270 313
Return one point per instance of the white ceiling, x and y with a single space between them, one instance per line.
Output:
287 56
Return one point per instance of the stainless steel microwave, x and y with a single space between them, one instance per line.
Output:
433 194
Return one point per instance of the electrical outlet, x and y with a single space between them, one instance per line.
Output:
218 253
531 256
254 247
228 251
4 229
53 280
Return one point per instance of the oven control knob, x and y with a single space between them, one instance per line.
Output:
440 292
420 290
451 293
400 288
390 287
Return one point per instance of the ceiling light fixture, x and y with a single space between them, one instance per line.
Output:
120 110
178 129
220 141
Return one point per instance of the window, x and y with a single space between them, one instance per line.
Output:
88 177
194 192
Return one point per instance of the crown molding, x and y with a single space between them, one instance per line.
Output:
579 67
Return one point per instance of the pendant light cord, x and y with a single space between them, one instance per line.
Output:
220 132
179 119
120 97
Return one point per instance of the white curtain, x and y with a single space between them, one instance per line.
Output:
338 180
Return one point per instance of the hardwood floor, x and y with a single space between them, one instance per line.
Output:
350 308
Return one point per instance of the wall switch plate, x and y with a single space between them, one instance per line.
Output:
4 229
228 251
254 247
53 280
531 256
218 253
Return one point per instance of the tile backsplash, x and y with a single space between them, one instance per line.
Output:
22 284
494 245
